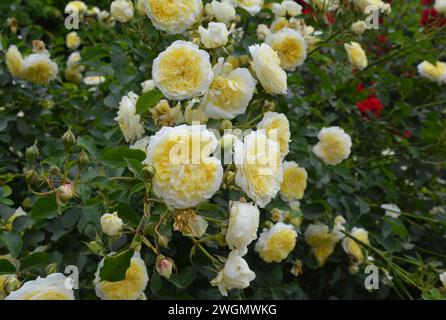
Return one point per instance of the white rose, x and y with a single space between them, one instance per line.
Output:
266 64
215 36
147 86
259 167
443 279
359 27
141 144
129 121
334 145
230 92
391 210
174 16
251 6
243 224
235 274
223 11
287 7
182 71
111 224
262 31
122 10
54 287
379 4
75 7
184 178
440 6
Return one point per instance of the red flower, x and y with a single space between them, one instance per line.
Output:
426 2
371 105
306 8
330 18
407 134
431 17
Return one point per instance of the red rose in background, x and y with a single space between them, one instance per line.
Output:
306 8
431 17
371 105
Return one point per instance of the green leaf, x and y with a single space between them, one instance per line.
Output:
87 143
117 157
135 166
44 208
148 100
94 53
115 266
6 267
128 214
12 241
34 261
184 279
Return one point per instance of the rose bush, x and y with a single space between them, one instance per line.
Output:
205 149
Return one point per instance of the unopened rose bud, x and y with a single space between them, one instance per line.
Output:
65 192
148 171
163 241
51 268
31 177
269 106
95 248
68 139
11 284
83 159
164 266
268 224
38 46
32 152
54 170
13 24
111 224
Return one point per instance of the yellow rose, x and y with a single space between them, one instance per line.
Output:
352 247
294 181
251 6
76 6
182 71
277 128
322 241
14 61
266 64
73 41
334 145
356 55
230 92
39 68
436 73
131 288
259 167
275 244
290 46
54 287
174 16
186 173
